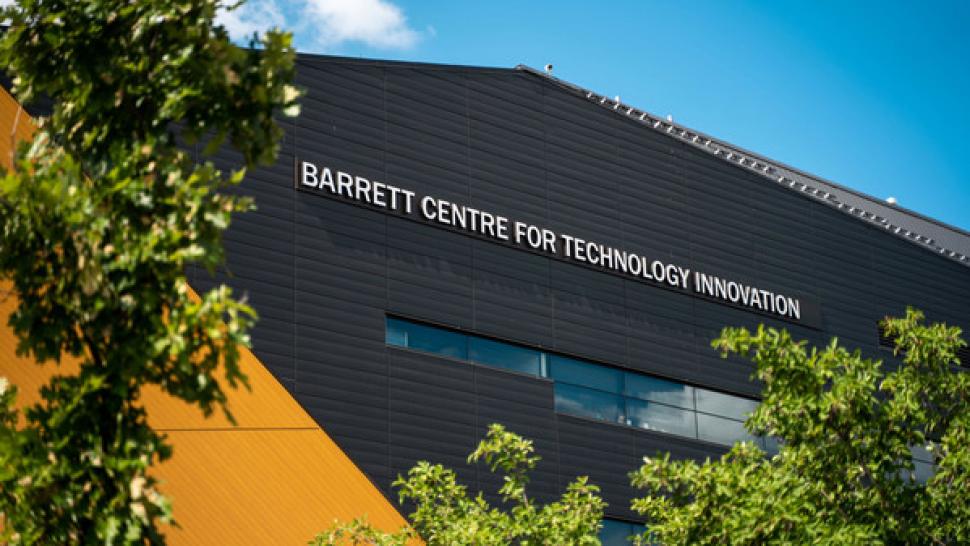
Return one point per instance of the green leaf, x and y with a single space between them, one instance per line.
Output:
843 474
102 214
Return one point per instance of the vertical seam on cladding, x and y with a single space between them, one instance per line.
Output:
478 422
296 338
694 322
387 294
552 332
468 181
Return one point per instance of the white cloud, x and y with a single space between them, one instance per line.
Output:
324 24
375 23
253 16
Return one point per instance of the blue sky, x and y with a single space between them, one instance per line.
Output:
872 95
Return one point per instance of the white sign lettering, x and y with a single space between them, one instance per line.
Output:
537 238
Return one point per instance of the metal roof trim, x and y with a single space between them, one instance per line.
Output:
934 235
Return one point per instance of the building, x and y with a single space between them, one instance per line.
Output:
443 247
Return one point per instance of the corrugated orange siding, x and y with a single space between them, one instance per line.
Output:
275 478
15 125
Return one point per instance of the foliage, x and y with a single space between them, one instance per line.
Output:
100 218
445 515
844 473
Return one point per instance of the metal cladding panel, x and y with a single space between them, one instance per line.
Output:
261 245
589 326
523 405
512 309
432 410
325 272
429 274
604 453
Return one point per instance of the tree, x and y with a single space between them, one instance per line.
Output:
445 515
100 218
845 472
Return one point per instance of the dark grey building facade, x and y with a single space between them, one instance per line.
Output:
362 304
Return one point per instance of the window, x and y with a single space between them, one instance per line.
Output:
923 471
923 463
596 391
654 416
504 355
772 444
589 403
427 338
724 405
576 372
720 430
654 389
617 532
396 332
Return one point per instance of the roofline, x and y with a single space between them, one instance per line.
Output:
386 63
809 184
934 235
856 192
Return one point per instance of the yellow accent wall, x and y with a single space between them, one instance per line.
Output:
275 478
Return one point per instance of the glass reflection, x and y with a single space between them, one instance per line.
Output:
723 431
396 333
724 405
431 339
654 389
617 533
577 372
589 403
659 417
923 471
604 393
504 355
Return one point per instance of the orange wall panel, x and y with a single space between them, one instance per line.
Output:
15 125
274 478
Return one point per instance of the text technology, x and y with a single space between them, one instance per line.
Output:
497 227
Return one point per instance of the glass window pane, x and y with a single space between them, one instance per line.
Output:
503 355
722 431
617 533
645 387
435 340
920 453
772 445
396 332
653 416
725 405
923 471
577 372
589 403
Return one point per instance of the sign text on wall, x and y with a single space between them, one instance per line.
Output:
537 238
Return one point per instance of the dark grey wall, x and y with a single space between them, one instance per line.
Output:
323 274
